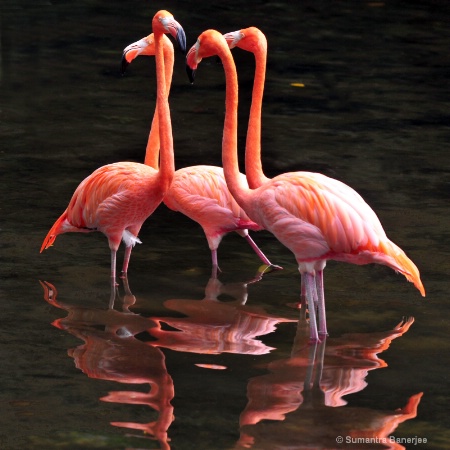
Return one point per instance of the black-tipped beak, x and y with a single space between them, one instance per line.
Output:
191 73
124 64
181 40
177 32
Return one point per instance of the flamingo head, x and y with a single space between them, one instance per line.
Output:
209 43
164 22
250 39
145 46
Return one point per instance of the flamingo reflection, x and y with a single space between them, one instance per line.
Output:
212 326
112 349
302 396
112 352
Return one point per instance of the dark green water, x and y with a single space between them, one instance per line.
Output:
374 112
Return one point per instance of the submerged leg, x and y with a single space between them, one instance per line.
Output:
310 287
308 383
260 254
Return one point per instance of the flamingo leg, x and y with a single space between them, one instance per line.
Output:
321 303
215 264
260 254
113 278
308 383
319 363
310 288
302 287
126 261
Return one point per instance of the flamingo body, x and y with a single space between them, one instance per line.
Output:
316 217
115 199
320 218
201 193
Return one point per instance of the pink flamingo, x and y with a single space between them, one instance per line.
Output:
316 217
117 198
199 192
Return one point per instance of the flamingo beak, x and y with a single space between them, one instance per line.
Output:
192 61
131 52
177 32
124 64
191 74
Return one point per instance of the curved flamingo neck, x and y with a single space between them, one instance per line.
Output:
153 143
229 142
152 149
167 168
253 165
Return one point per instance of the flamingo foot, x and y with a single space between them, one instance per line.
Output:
274 267
267 268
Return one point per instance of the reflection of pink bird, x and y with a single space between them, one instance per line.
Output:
199 192
117 198
111 351
306 390
212 326
316 217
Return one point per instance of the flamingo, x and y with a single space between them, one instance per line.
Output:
199 192
117 198
318 218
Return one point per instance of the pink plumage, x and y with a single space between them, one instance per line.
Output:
201 193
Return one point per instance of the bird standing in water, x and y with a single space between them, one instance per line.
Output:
117 198
199 192
318 218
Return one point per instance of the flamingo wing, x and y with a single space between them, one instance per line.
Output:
319 211
111 194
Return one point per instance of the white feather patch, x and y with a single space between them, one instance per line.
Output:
129 239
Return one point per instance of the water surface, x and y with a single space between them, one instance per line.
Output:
226 358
